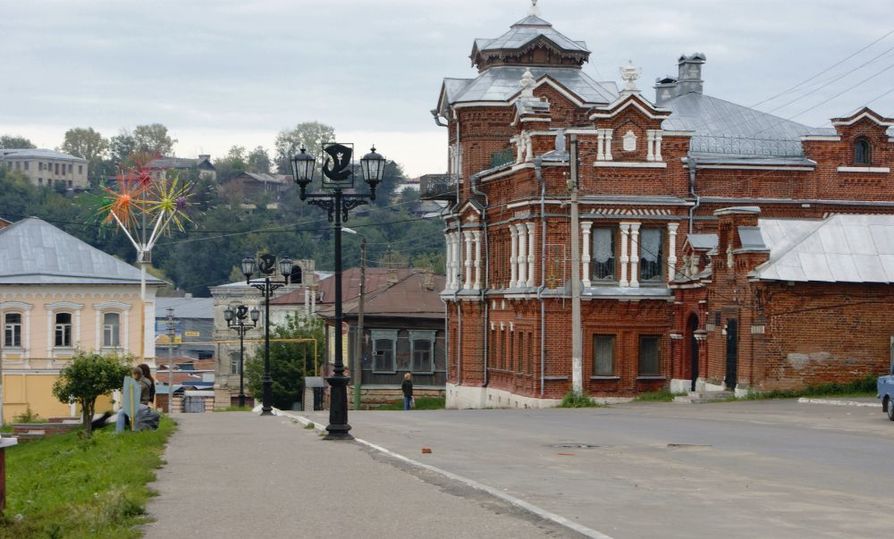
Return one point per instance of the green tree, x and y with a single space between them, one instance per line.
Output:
121 147
309 135
259 161
10 142
232 165
87 377
289 362
89 144
153 139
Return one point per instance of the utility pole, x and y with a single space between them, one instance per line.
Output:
577 364
359 340
171 334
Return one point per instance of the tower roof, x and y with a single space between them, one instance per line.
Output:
530 41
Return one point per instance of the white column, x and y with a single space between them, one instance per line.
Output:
522 255
149 333
600 144
477 239
608 144
585 256
467 263
513 256
456 269
126 340
671 250
531 250
76 338
447 264
98 341
625 232
650 142
658 137
51 334
26 344
634 255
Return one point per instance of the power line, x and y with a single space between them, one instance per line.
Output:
839 94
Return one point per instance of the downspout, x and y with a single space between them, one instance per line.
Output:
691 162
483 299
459 227
538 174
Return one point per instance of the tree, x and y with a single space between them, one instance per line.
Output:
308 135
232 165
90 145
10 142
85 378
153 139
289 362
121 147
259 161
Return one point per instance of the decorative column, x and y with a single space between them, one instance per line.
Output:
634 255
671 250
608 144
522 256
658 137
457 260
467 263
476 235
585 257
448 264
513 257
600 144
625 232
650 142
531 251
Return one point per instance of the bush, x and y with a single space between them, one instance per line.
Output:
573 399
28 416
85 378
662 395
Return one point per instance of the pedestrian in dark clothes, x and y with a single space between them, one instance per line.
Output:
407 387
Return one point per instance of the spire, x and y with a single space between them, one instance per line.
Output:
535 11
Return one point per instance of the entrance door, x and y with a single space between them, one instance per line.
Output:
732 353
692 327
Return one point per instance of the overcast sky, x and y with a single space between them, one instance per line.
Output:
225 72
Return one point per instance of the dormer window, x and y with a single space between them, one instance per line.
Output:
862 152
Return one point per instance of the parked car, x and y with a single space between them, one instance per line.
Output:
885 386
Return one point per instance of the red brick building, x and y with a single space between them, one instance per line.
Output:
664 277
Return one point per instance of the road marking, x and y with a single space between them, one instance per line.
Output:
512 500
838 402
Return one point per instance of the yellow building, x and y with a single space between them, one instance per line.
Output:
59 295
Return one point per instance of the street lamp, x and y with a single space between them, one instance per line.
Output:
236 320
266 266
338 172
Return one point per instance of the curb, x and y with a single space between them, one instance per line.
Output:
838 402
512 500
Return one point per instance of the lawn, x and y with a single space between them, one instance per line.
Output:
66 486
422 403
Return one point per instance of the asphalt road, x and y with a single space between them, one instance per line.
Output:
240 475
744 469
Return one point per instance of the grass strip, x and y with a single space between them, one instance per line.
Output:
421 403
69 486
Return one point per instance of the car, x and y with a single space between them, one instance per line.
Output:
885 387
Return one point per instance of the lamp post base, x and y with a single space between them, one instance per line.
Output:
338 428
267 385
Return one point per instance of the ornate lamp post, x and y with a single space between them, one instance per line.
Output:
266 265
236 320
338 172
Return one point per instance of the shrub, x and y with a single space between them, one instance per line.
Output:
85 378
573 399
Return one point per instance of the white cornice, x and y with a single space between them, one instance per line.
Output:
112 305
757 167
15 305
628 164
866 170
666 133
659 114
865 114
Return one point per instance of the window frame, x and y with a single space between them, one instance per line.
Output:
659 277
377 335
639 357
16 335
594 278
595 357
67 328
862 142
422 336
105 331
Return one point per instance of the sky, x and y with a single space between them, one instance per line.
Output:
220 73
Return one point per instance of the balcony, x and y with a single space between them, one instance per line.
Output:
438 187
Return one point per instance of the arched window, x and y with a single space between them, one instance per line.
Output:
12 330
63 330
111 322
862 152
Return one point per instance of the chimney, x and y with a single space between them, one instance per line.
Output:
690 78
665 90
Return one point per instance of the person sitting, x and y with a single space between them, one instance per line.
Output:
124 415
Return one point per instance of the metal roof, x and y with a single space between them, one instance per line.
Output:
185 307
501 83
702 242
38 153
36 252
527 30
841 248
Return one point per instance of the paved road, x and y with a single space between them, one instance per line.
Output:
240 475
746 469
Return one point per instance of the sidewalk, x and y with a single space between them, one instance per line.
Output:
240 475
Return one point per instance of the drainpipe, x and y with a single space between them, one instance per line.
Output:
538 174
474 187
691 162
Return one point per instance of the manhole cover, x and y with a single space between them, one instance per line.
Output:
574 445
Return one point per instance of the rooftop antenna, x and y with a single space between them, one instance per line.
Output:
535 11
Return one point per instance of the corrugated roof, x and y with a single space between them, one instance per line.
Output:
841 248
702 242
403 293
501 83
185 307
36 252
38 153
527 30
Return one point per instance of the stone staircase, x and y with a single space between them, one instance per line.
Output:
695 397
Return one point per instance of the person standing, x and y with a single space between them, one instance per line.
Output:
407 387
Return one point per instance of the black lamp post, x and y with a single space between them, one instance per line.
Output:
236 320
266 265
338 172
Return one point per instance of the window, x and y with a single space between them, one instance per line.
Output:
12 330
71 168
39 181
69 183
520 352
80 169
603 254
862 152
422 344
111 322
649 355
384 343
511 358
26 164
234 362
56 168
603 355
530 353
650 255
63 330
